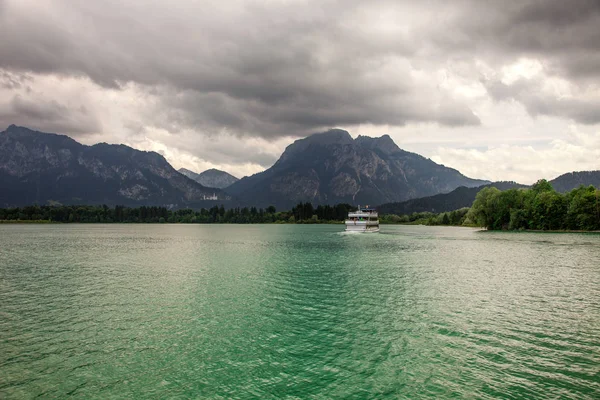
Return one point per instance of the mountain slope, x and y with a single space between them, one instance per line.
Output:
332 167
190 174
572 180
458 198
38 167
213 178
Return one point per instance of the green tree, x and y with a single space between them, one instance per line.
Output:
445 219
583 209
542 186
484 207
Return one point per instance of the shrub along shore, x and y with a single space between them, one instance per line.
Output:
539 208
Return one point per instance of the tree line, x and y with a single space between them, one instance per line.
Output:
301 213
538 208
455 218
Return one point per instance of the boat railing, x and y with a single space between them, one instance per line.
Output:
363 214
362 223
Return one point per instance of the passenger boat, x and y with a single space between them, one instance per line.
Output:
363 220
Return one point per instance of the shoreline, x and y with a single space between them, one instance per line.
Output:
46 222
539 231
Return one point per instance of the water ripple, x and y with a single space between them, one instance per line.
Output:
137 311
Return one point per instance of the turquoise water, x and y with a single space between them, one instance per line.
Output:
297 311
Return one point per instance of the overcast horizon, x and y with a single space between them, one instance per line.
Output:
505 91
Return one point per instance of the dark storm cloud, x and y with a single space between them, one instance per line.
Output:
268 70
302 113
290 68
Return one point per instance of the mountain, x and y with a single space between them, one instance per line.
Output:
38 167
458 198
213 178
190 174
572 180
331 167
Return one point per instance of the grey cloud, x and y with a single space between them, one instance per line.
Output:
317 105
48 116
285 69
224 149
537 102
565 33
233 155
585 112
260 70
11 81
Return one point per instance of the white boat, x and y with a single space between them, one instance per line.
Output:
363 220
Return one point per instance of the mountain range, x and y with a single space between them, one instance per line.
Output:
324 168
44 168
331 167
213 178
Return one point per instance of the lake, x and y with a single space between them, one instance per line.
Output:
297 311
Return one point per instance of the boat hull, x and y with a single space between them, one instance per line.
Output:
362 226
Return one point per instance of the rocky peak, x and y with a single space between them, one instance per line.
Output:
383 144
14 130
331 137
213 178
187 172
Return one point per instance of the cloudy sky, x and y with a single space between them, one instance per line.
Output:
499 90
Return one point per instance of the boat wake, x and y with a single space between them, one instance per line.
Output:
346 233
355 233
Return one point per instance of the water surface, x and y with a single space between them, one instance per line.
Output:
296 311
